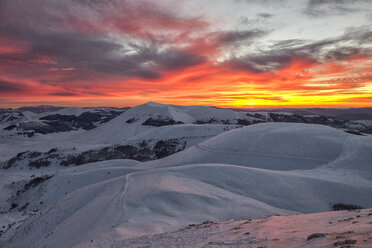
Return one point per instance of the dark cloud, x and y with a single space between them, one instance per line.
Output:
342 53
283 44
64 94
229 37
177 60
261 63
316 8
282 53
361 35
10 87
263 2
70 41
315 3
78 93
258 20
265 15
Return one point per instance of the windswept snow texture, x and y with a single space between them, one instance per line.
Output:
277 146
331 229
223 171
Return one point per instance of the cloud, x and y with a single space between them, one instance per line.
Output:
342 53
259 63
11 87
64 94
75 39
229 37
354 42
318 8
265 15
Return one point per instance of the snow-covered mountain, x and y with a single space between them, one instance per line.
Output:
10 117
66 119
159 168
151 116
41 108
353 126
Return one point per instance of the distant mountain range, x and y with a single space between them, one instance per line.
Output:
342 113
50 119
362 113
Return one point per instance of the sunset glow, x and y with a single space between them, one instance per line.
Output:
235 53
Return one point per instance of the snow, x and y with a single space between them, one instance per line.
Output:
204 113
67 111
364 122
275 231
278 146
151 109
192 133
10 145
131 202
119 129
6 118
130 123
227 172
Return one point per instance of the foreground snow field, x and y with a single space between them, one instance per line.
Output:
223 171
329 229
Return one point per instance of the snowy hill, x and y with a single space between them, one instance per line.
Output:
203 114
62 120
147 122
150 116
11 117
204 167
278 146
134 122
302 116
75 204
41 108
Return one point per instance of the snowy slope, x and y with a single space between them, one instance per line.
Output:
305 117
11 144
334 229
68 111
131 122
213 115
149 116
156 111
129 204
191 133
246 172
278 146
78 111
11 117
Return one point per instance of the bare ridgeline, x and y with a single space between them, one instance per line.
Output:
185 176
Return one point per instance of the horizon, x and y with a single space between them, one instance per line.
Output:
244 54
241 108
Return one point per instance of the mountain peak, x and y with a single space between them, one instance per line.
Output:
154 104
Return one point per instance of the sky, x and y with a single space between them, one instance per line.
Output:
226 53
